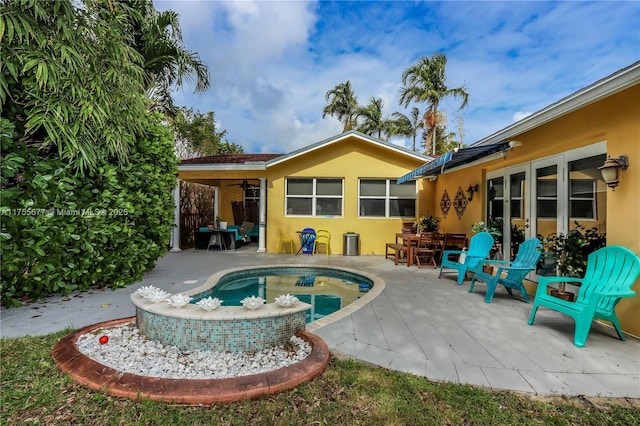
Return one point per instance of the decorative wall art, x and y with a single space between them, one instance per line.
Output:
460 202
445 203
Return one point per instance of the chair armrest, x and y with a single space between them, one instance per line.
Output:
448 252
621 294
513 268
498 262
543 282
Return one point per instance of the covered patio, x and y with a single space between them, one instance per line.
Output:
418 324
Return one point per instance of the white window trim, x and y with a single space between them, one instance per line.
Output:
314 197
387 197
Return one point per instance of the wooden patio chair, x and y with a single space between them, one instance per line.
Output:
408 228
515 272
425 252
399 252
479 249
611 271
451 241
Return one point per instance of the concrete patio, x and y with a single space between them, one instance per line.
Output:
419 324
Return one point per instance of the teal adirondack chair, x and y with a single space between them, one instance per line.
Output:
479 249
611 271
525 262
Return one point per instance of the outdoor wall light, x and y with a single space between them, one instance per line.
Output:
610 168
471 190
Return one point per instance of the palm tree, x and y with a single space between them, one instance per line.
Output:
158 38
407 126
373 122
425 82
342 103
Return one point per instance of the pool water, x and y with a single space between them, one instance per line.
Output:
326 290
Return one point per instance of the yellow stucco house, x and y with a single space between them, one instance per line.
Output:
346 183
540 175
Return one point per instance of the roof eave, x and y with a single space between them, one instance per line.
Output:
340 137
208 167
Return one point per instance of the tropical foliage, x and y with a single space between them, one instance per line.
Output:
572 250
62 231
407 126
157 37
197 135
425 81
343 104
427 223
86 169
373 122
70 80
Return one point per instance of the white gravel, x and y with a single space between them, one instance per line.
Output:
129 351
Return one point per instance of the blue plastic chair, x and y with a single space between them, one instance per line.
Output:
528 255
307 240
611 271
479 249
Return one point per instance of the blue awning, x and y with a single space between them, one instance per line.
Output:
455 159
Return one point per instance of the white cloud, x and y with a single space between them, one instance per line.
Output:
519 115
272 62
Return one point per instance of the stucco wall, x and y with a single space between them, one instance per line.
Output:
350 159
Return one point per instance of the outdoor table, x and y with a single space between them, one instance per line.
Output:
411 241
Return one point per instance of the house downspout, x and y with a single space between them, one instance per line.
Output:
262 216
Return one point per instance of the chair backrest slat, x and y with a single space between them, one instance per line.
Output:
609 269
479 246
528 255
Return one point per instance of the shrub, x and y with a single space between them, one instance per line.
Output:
61 231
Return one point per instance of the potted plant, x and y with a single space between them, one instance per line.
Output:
427 223
494 228
571 252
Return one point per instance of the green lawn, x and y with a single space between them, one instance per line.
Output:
347 393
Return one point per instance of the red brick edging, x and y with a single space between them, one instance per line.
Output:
94 375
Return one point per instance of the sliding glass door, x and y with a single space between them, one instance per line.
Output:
546 197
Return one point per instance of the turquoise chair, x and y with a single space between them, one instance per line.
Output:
611 271
479 249
528 255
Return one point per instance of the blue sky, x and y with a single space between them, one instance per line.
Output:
272 62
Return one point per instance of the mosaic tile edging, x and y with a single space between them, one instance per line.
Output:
227 329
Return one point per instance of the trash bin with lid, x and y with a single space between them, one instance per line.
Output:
351 244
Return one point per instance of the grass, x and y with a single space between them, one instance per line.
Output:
347 393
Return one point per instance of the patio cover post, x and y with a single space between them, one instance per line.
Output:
216 202
262 215
175 233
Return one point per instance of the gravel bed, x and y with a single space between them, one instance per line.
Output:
129 351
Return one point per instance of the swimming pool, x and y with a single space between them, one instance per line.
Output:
237 329
327 290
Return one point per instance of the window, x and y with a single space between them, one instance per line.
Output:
496 198
517 193
583 189
547 192
314 197
385 198
582 200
